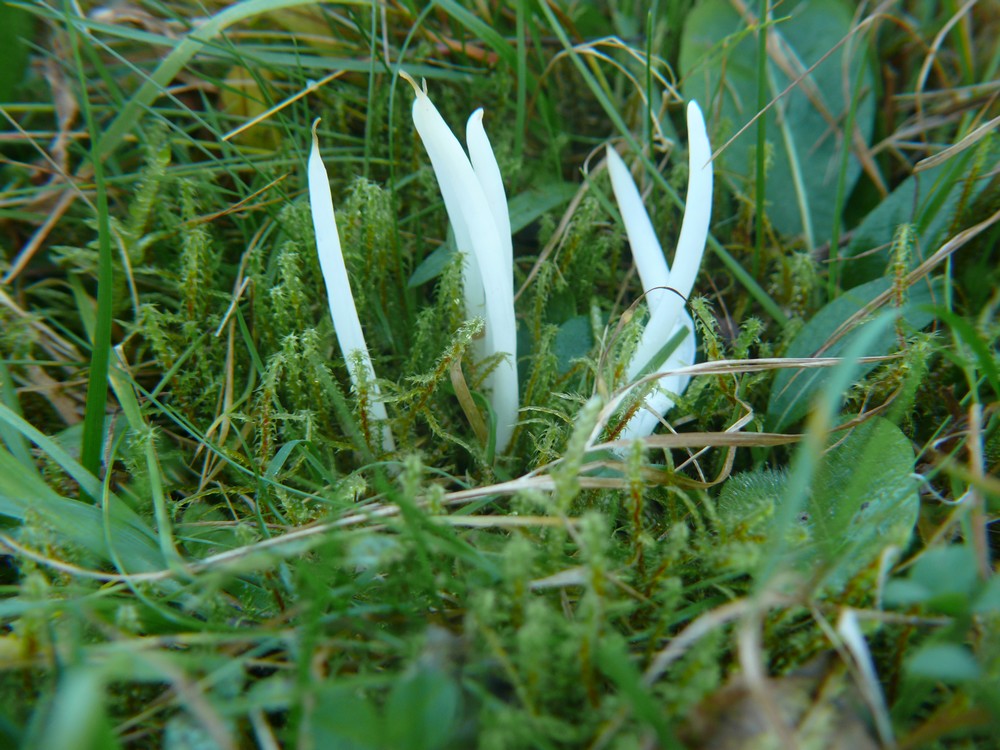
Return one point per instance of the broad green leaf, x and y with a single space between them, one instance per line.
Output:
747 501
524 208
77 718
184 733
52 449
718 63
793 391
989 598
943 579
528 206
23 494
421 710
573 340
204 532
276 464
947 662
862 499
344 718
434 264
927 200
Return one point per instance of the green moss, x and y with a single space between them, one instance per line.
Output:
327 590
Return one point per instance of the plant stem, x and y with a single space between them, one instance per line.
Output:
97 379
761 184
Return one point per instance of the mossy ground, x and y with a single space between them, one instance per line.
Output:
215 554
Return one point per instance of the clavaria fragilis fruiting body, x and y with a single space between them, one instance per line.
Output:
666 291
476 203
350 336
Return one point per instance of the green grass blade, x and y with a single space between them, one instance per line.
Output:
87 481
173 63
25 497
100 349
480 30
967 333
14 440
807 458
760 183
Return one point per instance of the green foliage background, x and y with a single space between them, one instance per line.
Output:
202 544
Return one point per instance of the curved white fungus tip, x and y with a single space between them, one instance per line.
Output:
477 208
484 163
654 273
697 204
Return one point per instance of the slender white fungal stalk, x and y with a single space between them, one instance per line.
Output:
666 291
484 163
350 337
654 273
477 208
